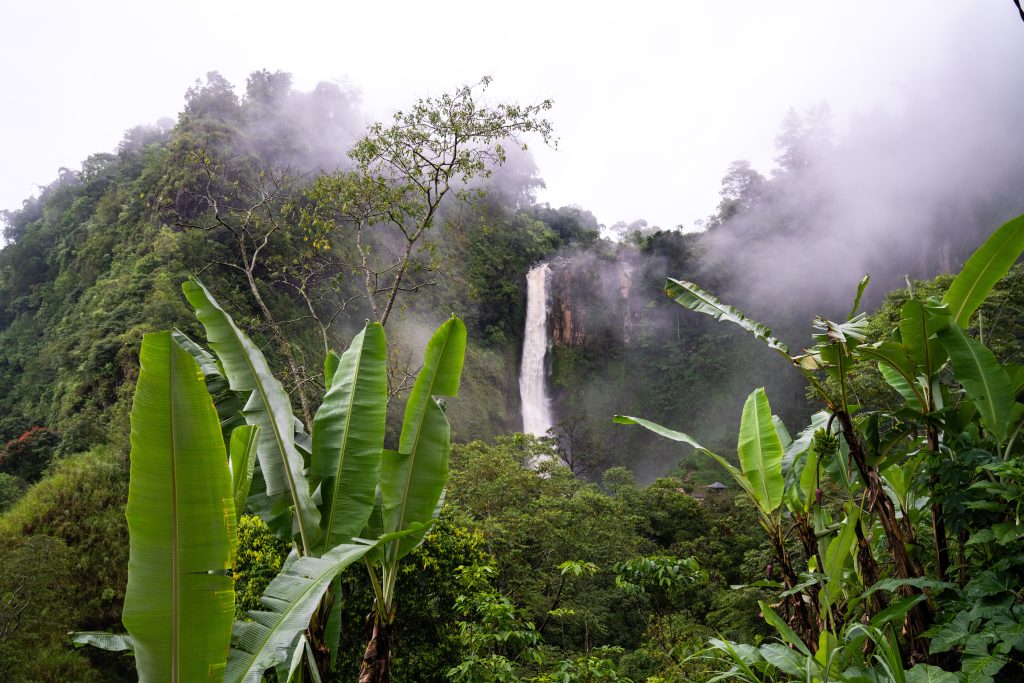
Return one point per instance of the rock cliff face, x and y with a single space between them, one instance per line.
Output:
591 300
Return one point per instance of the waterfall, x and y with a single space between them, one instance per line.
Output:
532 375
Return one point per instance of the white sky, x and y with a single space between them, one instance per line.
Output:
652 99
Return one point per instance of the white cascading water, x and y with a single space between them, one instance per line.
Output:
532 374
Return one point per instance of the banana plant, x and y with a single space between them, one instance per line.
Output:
196 465
354 487
412 484
760 475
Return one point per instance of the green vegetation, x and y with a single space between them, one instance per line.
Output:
882 542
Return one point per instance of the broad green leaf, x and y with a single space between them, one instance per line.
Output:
288 669
986 266
269 407
897 610
804 438
696 299
672 434
659 430
827 645
785 438
984 380
332 631
910 390
926 673
898 369
783 658
838 555
276 513
899 478
760 452
243 461
891 585
179 602
413 480
290 600
112 642
919 323
951 634
787 634
348 437
810 477
1016 373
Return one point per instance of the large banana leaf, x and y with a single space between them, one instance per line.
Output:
229 404
682 437
984 269
413 479
898 369
269 407
112 642
920 321
838 554
696 299
290 600
348 437
987 384
760 452
179 602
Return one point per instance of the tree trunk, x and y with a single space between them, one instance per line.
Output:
376 667
920 616
938 523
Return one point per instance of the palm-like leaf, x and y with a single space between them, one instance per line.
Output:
984 269
290 599
348 437
413 479
179 602
281 463
696 299
682 437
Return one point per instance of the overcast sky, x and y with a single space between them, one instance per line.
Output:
652 99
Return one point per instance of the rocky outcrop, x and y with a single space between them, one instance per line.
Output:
591 299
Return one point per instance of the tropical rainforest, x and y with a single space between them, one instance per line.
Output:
261 420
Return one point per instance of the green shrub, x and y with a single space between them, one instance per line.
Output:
81 503
11 488
259 559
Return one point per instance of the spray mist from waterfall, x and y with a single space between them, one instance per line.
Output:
532 375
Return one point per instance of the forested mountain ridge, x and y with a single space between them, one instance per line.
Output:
97 261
